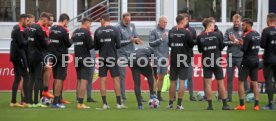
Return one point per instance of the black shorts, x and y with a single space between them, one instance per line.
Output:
59 71
209 71
83 72
114 70
250 70
178 73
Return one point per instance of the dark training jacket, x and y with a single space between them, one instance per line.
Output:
268 43
83 43
251 47
180 42
38 41
107 41
59 41
18 44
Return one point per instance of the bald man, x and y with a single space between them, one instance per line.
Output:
158 40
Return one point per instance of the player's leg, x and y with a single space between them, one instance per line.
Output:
230 76
89 86
161 71
137 84
81 94
103 74
46 79
222 91
173 77
115 74
17 78
254 83
38 84
268 74
243 74
31 85
123 75
207 73
191 83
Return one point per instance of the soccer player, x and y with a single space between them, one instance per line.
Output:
234 52
107 41
83 43
37 46
47 68
19 59
158 40
210 44
129 36
190 69
268 43
140 64
59 44
250 62
181 43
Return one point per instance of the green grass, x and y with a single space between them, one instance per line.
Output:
194 111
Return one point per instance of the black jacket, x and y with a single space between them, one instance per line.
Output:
59 41
107 41
251 47
268 43
180 42
38 41
83 42
210 43
18 44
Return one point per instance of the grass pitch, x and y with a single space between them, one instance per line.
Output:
194 111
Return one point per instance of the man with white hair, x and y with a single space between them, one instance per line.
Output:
158 40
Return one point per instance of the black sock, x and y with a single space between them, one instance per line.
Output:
224 102
80 100
56 98
256 102
22 98
210 103
170 102
104 100
179 101
241 102
45 88
118 98
158 94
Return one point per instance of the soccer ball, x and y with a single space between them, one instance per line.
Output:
154 103
45 101
250 97
200 95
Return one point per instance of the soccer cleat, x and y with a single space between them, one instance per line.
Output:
170 106
209 108
140 107
91 100
105 106
256 108
82 106
180 107
47 94
239 107
152 96
65 101
226 107
58 106
16 105
122 106
192 98
29 105
267 107
42 105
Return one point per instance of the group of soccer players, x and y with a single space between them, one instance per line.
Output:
33 42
